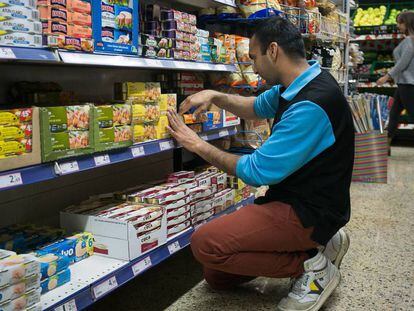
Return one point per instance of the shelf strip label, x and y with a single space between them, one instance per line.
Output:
66 168
105 287
174 247
223 133
142 265
10 180
7 53
102 160
138 151
70 305
166 145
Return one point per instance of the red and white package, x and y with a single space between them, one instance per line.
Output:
200 193
172 230
178 211
178 177
166 196
179 219
220 180
149 226
202 217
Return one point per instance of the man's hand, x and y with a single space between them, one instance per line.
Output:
201 101
182 133
382 80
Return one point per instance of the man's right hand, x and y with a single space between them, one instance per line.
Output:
201 101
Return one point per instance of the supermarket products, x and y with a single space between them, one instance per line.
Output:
50 264
27 301
138 92
250 7
66 131
5 253
115 26
76 247
56 280
123 231
16 268
10 25
370 17
13 291
223 200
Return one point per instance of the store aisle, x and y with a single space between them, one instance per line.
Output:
377 271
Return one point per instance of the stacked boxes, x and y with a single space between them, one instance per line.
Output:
66 131
67 24
19 281
115 26
54 271
112 126
229 44
149 109
16 129
19 23
242 191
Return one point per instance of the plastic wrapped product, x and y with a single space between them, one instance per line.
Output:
21 39
18 11
20 25
50 264
13 291
24 302
249 7
15 268
55 281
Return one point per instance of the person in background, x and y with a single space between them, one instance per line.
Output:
306 162
402 73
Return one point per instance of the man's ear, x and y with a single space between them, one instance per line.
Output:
273 50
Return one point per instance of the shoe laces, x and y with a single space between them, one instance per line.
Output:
299 285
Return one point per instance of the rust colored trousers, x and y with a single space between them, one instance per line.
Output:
258 240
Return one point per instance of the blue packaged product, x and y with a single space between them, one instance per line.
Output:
55 281
116 16
51 264
116 36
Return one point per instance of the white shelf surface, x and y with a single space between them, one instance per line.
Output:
378 37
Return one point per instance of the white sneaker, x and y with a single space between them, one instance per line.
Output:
337 247
310 291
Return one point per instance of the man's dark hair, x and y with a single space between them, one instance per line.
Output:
283 32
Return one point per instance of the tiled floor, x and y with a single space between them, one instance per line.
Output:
377 273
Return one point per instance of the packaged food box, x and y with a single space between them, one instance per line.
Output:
117 134
79 6
188 183
105 116
145 113
15 268
25 3
56 3
51 27
16 132
178 177
80 19
68 118
199 218
49 12
15 147
139 196
155 52
27 302
5 253
175 229
178 25
153 41
172 213
55 281
161 128
79 31
69 43
20 25
51 264
12 291
202 206
116 36
172 221
200 192
235 182
69 140
116 16
76 247
204 179
138 92
179 35
144 132
166 196
21 39
18 11
168 101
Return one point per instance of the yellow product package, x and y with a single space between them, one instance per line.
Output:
11 132
168 101
144 132
145 113
161 128
14 147
140 92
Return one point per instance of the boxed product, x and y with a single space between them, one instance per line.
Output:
172 213
157 42
230 119
16 268
174 230
181 176
9 11
172 221
168 101
69 43
50 264
219 180
27 302
235 182
201 192
21 39
145 113
56 280
214 120
223 200
13 291
202 206
202 217
138 92
76 247
80 19
5 253
10 25
26 3
115 26
122 233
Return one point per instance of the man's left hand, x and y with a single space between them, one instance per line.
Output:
182 133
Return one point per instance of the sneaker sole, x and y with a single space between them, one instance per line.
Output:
343 250
323 297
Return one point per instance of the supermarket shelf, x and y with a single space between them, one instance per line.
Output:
8 53
208 3
375 86
378 37
85 59
48 171
96 276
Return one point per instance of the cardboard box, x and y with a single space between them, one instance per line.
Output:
25 159
116 238
214 120
230 119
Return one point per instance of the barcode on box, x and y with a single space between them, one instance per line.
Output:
38 40
51 40
37 27
35 15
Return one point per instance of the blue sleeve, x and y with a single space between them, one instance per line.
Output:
266 104
303 132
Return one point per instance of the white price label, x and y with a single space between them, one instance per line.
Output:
102 160
165 145
60 308
71 305
174 247
204 137
10 180
138 151
223 133
7 53
141 266
105 287
68 167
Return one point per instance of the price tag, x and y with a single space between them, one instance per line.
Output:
141 266
105 287
138 151
174 247
60 308
71 305
7 53
10 180
102 160
223 133
204 137
68 167
165 145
